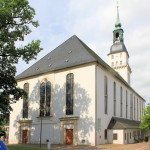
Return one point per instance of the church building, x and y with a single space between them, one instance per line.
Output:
74 97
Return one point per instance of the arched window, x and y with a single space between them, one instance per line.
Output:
25 101
121 106
114 98
105 94
69 93
126 104
45 99
131 106
42 99
48 98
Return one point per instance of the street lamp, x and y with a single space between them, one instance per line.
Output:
41 113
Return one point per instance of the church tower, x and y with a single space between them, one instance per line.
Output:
118 56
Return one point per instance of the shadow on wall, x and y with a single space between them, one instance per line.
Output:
84 110
82 105
32 108
51 127
16 126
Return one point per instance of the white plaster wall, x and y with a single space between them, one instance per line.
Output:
123 72
50 131
122 69
120 137
105 118
84 105
118 58
15 115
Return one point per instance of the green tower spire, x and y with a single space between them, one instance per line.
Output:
118 23
118 32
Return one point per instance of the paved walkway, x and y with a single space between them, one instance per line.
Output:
137 146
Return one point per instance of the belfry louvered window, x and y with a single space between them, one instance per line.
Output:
69 93
25 101
45 99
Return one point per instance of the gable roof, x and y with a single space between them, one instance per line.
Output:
72 52
121 123
69 54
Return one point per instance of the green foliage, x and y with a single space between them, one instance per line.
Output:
145 125
16 18
2 131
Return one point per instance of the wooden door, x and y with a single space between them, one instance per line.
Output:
24 136
69 136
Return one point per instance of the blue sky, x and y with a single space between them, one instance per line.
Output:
93 22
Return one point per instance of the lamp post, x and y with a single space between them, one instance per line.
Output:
41 112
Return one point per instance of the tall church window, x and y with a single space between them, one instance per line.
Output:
140 109
42 99
25 101
137 110
131 106
126 104
114 98
112 63
45 99
120 101
48 98
69 93
105 133
105 94
134 107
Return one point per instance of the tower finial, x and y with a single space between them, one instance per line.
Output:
117 5
118 23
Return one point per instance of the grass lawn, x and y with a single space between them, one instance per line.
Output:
18 147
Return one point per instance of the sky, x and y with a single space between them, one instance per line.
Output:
93 22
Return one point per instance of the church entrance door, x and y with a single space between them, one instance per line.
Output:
24 136
69 136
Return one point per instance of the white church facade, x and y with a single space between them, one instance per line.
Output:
77 98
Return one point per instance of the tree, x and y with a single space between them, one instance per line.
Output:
2 131
16 18
145 124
